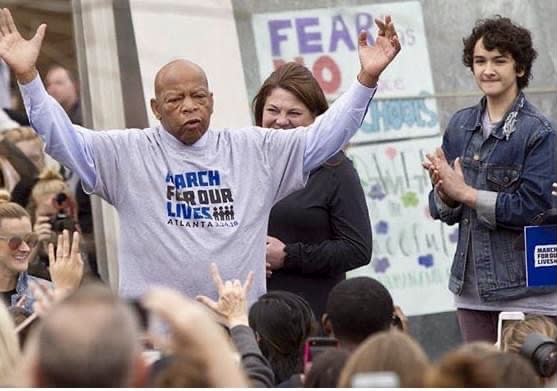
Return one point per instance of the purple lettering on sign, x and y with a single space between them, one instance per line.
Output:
308 42
276 36
340 33
364 21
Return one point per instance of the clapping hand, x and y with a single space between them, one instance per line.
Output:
449 181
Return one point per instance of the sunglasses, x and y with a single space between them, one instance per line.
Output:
14 242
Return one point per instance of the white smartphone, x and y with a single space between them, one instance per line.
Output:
375 380
506 318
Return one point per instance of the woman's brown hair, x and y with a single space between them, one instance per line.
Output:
297 80
10 210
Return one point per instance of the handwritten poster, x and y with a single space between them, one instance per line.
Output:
326 41
412 253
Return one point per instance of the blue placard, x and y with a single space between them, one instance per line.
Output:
541 255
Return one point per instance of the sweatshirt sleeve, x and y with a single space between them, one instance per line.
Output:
333 129
255 365
64 141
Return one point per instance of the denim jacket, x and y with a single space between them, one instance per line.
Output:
22 289
513 170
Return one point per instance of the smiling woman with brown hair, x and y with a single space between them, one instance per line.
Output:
319 233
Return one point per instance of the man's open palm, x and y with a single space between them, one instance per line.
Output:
375 58
20 54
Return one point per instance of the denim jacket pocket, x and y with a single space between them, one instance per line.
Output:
503 179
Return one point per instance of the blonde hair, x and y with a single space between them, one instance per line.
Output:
10 210
50 182
9 345
17 135
391 351
515 334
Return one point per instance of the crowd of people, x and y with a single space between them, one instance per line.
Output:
232 262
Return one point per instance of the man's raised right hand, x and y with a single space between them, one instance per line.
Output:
20 54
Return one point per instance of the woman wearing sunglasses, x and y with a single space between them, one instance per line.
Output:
17 241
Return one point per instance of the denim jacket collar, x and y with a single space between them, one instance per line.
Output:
22 289
22 283
505 131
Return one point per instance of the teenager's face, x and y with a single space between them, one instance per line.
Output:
495 72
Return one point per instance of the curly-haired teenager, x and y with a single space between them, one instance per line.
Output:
493 176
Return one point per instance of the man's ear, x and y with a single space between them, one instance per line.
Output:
155 109
211 102
327 325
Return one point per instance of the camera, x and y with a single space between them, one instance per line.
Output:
542 353
62 219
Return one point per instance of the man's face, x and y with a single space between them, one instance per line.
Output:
494 72
60 85
183 102
15 261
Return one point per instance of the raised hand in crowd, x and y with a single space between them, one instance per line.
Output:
66 271
232 306
66 268
232 301
375 58
20 54
194 330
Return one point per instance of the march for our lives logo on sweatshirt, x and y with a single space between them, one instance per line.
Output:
197 200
